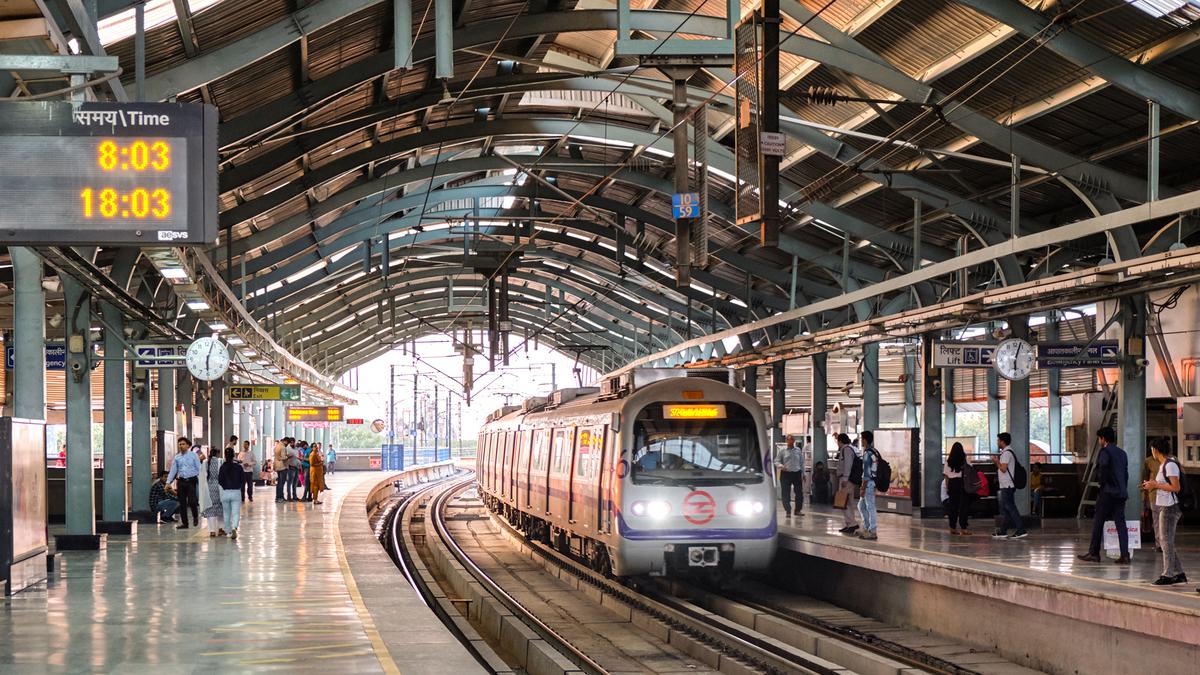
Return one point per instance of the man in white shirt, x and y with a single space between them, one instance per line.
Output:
846 457
1006 462
791 475
249 462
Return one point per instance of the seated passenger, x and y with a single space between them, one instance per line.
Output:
162 499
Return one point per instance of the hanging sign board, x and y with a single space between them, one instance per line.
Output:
1099 354
316 425
159 356
771 143
685 205
315 413
108 173
963 354
264 392
56 356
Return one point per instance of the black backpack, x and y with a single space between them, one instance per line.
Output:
883 472
970 479
856 470
1186 497
1019 476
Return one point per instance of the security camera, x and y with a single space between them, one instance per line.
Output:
76 366
1141 363
128 331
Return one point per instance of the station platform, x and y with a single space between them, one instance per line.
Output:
1030 599
282 597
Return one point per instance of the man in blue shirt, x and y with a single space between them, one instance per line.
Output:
185 471
1113 467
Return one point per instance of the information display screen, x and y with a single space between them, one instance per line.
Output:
107 173
315 413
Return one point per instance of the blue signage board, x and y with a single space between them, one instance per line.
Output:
56 357
685 205
1099 354
159 356
963 354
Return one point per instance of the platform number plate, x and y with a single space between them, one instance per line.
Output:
685 205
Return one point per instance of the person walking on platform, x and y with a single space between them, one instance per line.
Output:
1006 466
316 472
185 472
229 477
958 498
846 457
162 500
248 461
1166 486
214 512
1113 466
791 476
281 467
866 502
330 460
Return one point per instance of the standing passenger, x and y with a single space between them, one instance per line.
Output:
280 466
846 457
231 481
293 464
1166 486
866 505
330 460
316 472
791 475
955 470
248 461
305 465
1006 462
1113 465
185 470
214 512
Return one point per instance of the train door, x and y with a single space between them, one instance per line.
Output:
597 488
521 488
484 458
538 489
505 463
560 471
607 482
589 443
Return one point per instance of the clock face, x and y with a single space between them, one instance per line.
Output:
1013 359
207 359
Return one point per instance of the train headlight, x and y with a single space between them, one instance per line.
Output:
746 507
655 508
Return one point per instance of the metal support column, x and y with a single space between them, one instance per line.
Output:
993 409
778 400
949 407
870 386
187 398
768 120
243 425
750 380
29 335
911 389
279 425
683 226
1132 396
115 478
931 432
216 415
1018 415
165 448
1053 397
80 500
443 35
402 32
139 404
820 404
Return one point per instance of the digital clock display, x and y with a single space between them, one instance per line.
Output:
107 173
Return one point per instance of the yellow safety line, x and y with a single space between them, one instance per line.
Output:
377 644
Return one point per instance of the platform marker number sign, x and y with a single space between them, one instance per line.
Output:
685 205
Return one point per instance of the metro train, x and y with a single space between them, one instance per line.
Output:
657 471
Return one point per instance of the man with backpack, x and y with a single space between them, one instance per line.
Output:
1011 476
1113 467
849 473
1171 497
866 505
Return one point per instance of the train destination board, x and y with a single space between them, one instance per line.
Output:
264 392
108 173
315 413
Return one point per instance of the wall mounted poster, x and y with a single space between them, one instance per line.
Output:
896 447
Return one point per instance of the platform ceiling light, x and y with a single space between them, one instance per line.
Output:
218 325
174 273
234 340
197 305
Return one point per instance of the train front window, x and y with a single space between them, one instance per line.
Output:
695 444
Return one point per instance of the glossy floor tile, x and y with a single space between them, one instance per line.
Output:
176 601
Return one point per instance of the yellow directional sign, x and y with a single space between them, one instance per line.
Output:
264 392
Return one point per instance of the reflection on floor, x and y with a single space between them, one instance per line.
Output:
176 601
1047 554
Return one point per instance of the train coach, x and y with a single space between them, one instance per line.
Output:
657 471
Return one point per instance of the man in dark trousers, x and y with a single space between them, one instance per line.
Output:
1113 467
185 470
791 475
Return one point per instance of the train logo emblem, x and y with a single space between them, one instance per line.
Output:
699 507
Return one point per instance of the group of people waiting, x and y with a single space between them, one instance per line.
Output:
856 481
229 477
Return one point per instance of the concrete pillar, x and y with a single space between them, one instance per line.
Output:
949 423
1018 415
1053 397
820 404
778 400
280 426
243 425
1132 396
29 335
139 402
263 445
165 417
187 399
993 410
115 477
216 414
912 389
931 431
750 380
80 500
870 386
